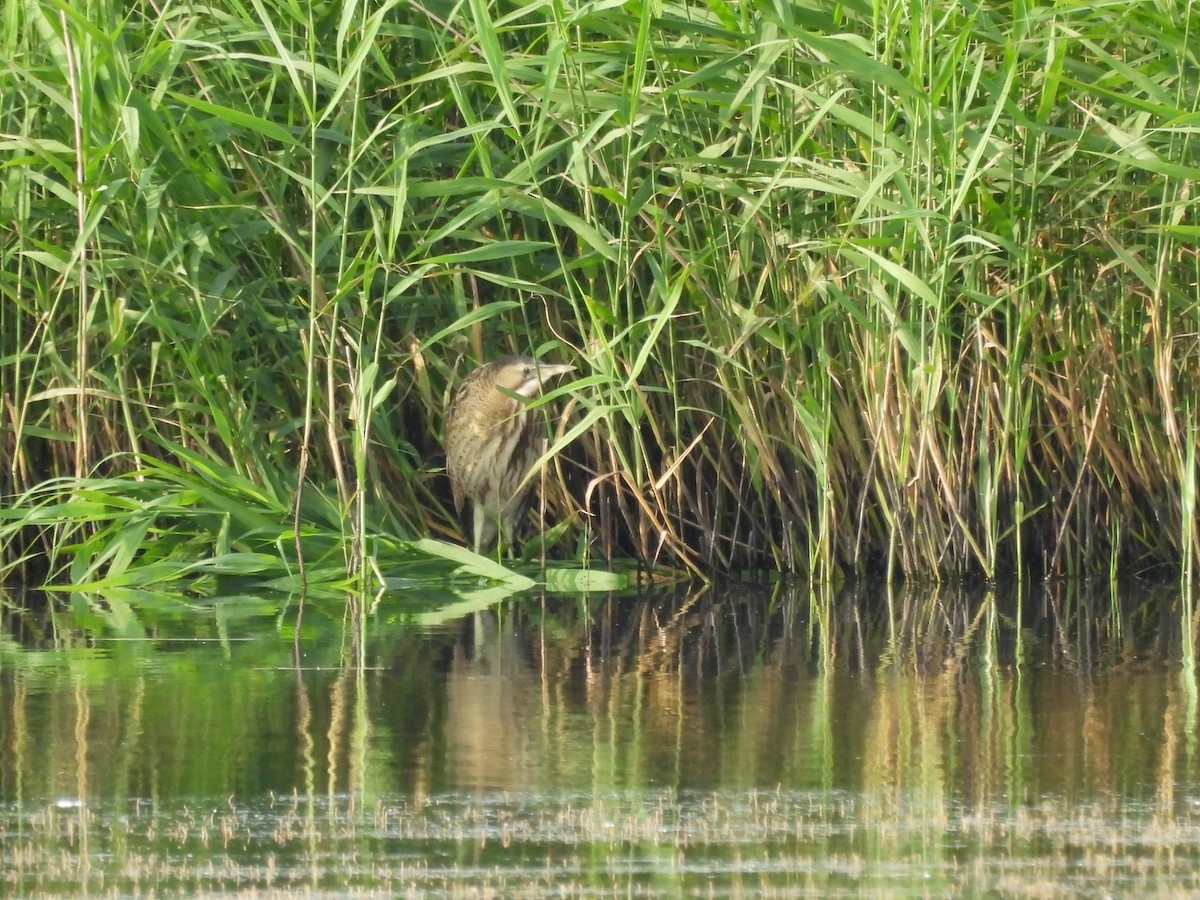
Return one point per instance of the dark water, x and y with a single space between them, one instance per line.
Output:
729 742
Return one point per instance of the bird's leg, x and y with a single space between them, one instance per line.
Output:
480 519
487 529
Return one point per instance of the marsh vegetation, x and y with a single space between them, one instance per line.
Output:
891 289
862 298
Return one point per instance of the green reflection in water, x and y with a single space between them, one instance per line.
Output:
734 742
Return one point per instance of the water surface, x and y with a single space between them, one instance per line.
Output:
727 742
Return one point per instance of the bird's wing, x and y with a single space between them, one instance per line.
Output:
456 489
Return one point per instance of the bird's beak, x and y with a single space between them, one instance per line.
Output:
546 371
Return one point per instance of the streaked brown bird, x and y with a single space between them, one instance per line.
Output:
491 443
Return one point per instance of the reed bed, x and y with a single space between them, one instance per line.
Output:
888 290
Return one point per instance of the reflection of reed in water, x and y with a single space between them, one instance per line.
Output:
488 689
911 698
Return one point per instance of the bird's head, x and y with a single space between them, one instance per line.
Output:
525 375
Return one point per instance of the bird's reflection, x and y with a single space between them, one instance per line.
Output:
488 689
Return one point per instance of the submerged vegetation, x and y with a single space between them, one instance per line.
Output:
905 289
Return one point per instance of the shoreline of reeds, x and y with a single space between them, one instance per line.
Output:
876 291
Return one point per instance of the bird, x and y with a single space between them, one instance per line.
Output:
491 443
